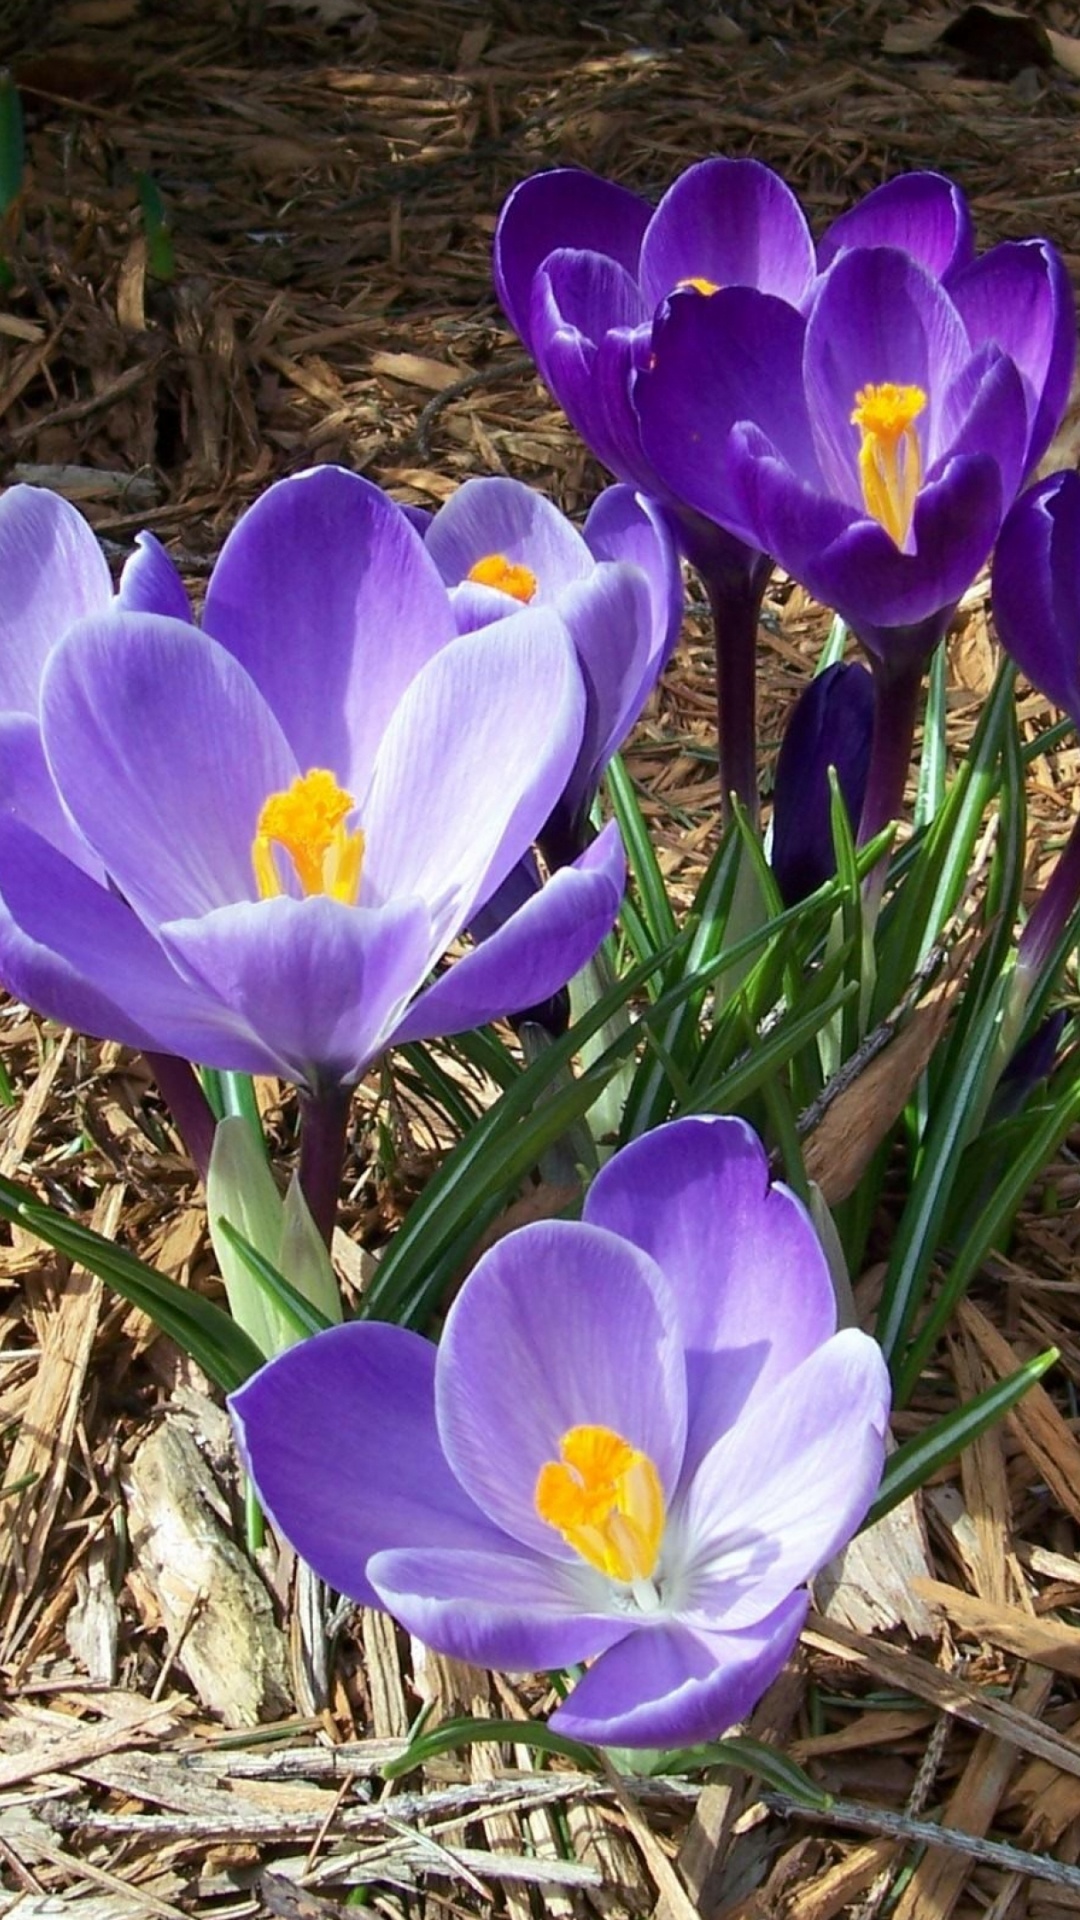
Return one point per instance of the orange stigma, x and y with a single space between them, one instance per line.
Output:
699 285
495 570
890 457
605 1498
307 821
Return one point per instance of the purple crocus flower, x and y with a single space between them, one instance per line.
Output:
617 587
873 444
250 846
639 1436
830 726
1036 605
581 267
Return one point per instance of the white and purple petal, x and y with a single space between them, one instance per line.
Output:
54 574
560 1325
740 1256
503 1608
532 954
164 751
339 1437
672 1685
325 594
783 1489
322 984
474 758
495 515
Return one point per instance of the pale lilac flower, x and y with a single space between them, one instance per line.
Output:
616 585
638 1438
251 846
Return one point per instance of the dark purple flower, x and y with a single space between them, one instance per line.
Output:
1036 604
639 1436
250 846
925 215
874 444
582 265
830 726
1036 588
617 586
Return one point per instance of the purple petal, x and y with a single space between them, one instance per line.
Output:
871 584
322 985
984 412
165 752
150 582
475 757
740 1257
54 573
785 1487
339 1437
734 223
71 948
879 318
532 954
592 332
564 208
1036 588
610 620
672 1686
28 792
504 1608
325 594
1019 297
475 606
560 1325
624 525
506 517
734 357
923 214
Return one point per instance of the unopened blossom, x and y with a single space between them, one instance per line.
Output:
617 586
638 1437
830 726
251 845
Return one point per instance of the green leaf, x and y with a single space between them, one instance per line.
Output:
952 1124
1035 1148
750 1756
212 1339
656 914
466 1732
160 251
302 1316
923 1455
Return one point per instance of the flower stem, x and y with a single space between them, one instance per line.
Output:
735 598
896 707
323 1120
735 577
178 1085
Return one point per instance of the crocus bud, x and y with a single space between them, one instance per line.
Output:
241 1189
830 726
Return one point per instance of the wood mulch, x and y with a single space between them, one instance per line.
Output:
172 1738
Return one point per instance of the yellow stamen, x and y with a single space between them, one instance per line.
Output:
495 570
605 1498
890 458
700 286
307 821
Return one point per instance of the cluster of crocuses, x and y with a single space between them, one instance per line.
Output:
254 842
